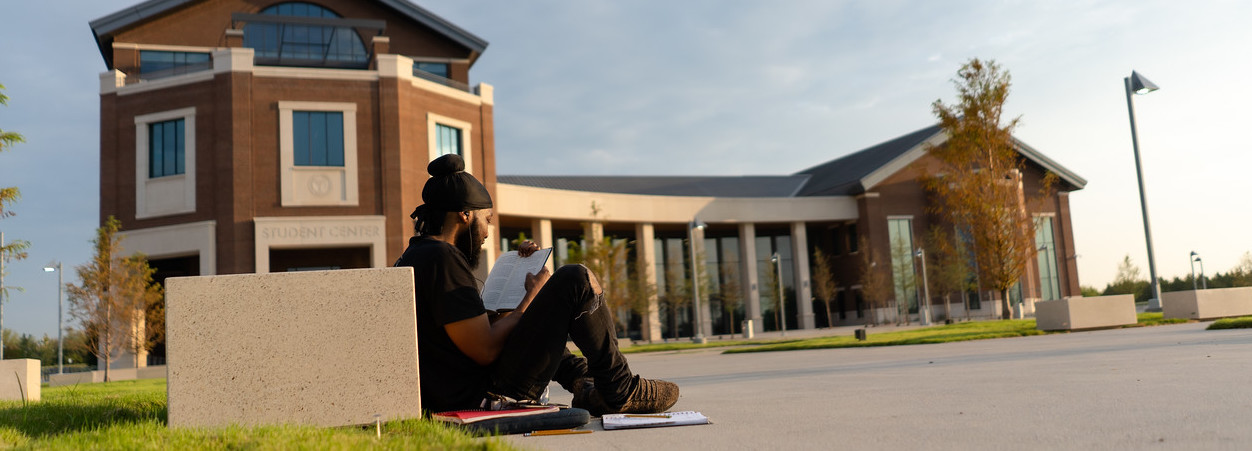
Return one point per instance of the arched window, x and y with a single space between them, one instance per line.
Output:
294 44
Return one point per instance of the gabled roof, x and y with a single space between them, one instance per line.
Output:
730 186
862 170
845 176
842 176
104 27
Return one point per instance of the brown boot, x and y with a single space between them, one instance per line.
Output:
650 396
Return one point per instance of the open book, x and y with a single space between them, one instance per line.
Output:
506 285
631 421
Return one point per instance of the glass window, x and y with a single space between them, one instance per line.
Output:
315 45
1049 280
448 140
854 241
836 238
317 138
165 148
903 276
440 69
153 63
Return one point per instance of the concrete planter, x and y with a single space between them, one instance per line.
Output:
1207 304
19 380
1080 313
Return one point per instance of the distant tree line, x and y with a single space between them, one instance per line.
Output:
1130 280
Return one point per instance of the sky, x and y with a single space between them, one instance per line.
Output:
739 87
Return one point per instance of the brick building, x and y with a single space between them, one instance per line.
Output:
253 136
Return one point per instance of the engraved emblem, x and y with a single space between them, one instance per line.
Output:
319 185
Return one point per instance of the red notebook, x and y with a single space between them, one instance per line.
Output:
475 415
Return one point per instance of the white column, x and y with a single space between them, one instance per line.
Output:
701 265
541 233
748 274
645 253
800 268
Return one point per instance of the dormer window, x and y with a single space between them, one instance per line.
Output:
304 34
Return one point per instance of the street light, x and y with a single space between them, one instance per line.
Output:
1137 84
925 311
695 280
60 326
1196 258
782 303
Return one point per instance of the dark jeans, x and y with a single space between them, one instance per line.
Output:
535 354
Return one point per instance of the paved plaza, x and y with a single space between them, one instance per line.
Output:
1165 387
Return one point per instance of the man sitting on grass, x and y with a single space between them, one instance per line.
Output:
467 358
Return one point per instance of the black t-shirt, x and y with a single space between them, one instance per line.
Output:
446 292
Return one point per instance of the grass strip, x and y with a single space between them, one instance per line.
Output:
1155 319
974 330
131 415
1243 322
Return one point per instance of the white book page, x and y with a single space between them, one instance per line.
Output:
506 285
629 421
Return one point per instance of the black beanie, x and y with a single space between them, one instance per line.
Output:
450 188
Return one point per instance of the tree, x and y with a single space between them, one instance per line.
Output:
1128 281
1089 291
14 250
115 297
875 286
903 278
772 283
824 282
677 294
981 190
730 294
948 261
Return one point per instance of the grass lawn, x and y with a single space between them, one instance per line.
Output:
973 330
131 415
1243 322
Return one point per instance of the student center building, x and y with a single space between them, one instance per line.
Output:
264 136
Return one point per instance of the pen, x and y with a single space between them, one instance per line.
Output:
647 416
558 432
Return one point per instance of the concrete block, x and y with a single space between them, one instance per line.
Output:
1207 304
85 377
19 380
117 374
151 372
323 348
1082 313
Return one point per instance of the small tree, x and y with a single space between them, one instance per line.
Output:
1129 280
824 282
677 295
875 286
9 250
114 299
982 187
949 265
731 294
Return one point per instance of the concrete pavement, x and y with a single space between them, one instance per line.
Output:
1164 387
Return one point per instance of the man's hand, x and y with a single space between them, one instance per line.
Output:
534 282
526 248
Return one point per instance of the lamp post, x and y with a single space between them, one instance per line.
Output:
695 281
1137 84
1196 258
925 311
782 303
60 303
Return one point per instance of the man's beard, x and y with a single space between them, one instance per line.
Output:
470 243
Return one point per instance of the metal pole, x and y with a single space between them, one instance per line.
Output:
1154 303
782 303
1194 287
1204 283
921 255
695 286
60 323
